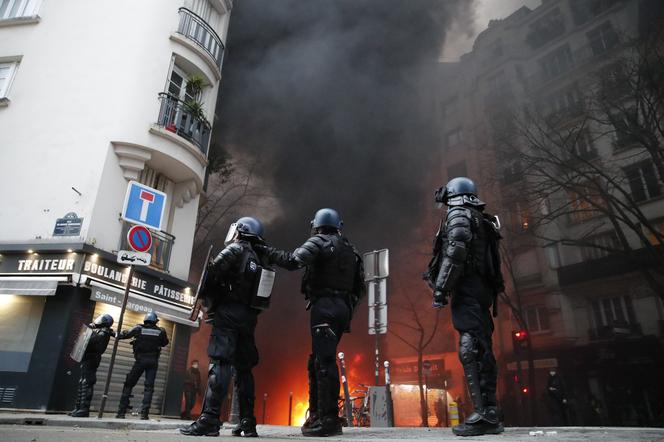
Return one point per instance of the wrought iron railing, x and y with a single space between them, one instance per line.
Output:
196 29
184 120
162 245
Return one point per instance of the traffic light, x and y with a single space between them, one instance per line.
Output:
519 340
524 390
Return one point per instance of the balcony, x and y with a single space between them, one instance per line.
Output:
162 245
197 30
615 331
184 120
579 57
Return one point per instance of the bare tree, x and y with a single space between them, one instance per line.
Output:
417 335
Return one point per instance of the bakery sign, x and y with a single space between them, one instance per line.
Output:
144 284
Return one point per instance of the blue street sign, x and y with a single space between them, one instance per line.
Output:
144 205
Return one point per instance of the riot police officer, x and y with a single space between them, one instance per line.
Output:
101 334
333 283
147 343
228 292
466 265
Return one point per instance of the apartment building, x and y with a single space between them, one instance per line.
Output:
590 312
94 95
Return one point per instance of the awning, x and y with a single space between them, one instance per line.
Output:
112 295
30 285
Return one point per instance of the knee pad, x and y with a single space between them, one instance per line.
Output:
324 343
468 348
218 375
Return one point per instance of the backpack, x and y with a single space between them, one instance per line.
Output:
492 262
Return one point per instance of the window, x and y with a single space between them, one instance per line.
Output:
20 317
17 8
615 311
7 71
627 127
644 183
585 10
583 146
178 85
519 216
537 319
454 137
600 246
546 29
602 38
585 203
557 62
566 101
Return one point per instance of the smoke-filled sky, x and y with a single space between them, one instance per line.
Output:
336 98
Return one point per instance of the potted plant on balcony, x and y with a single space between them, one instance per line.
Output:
195 86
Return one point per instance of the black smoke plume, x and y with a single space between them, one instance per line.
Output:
337 99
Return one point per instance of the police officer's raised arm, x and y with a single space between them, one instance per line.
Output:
134 332
459 235
301 257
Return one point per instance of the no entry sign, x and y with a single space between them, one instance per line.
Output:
139 238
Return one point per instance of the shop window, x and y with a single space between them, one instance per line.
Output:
644 183
20 317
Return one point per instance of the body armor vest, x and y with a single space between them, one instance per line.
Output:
98 342
241 280
148 341
476 261
332 272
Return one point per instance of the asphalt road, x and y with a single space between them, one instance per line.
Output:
30 433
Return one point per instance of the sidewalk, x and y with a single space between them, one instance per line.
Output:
54 427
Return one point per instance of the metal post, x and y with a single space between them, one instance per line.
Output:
426 398
445 404
234 415
116 341
376 313
388 395
264 406
290 409
347 407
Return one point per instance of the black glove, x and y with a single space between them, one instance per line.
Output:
440 298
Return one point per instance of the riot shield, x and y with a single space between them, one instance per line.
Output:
81 343
201 282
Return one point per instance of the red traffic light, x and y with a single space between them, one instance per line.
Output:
519 335
524 390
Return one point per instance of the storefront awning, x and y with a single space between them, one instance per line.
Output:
112 295
30 285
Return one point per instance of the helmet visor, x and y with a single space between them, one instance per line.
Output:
230 236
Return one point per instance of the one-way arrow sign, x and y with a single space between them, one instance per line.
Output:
134 258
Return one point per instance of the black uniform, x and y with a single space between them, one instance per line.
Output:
333 283
466 271
148 341
557 399
233 275
192 387
91 358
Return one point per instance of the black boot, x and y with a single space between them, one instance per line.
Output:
484 420
80 395
328 423
124 403
246 428
145 412
313 396
203 426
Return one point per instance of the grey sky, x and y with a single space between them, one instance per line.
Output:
460 41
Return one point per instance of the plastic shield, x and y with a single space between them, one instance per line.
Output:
81 343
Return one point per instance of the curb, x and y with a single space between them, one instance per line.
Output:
91 422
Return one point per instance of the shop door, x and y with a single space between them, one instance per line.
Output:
123 362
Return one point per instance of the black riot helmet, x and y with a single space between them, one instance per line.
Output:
104 320
457 192
327 218
151 318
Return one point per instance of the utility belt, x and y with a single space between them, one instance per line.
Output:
328 293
